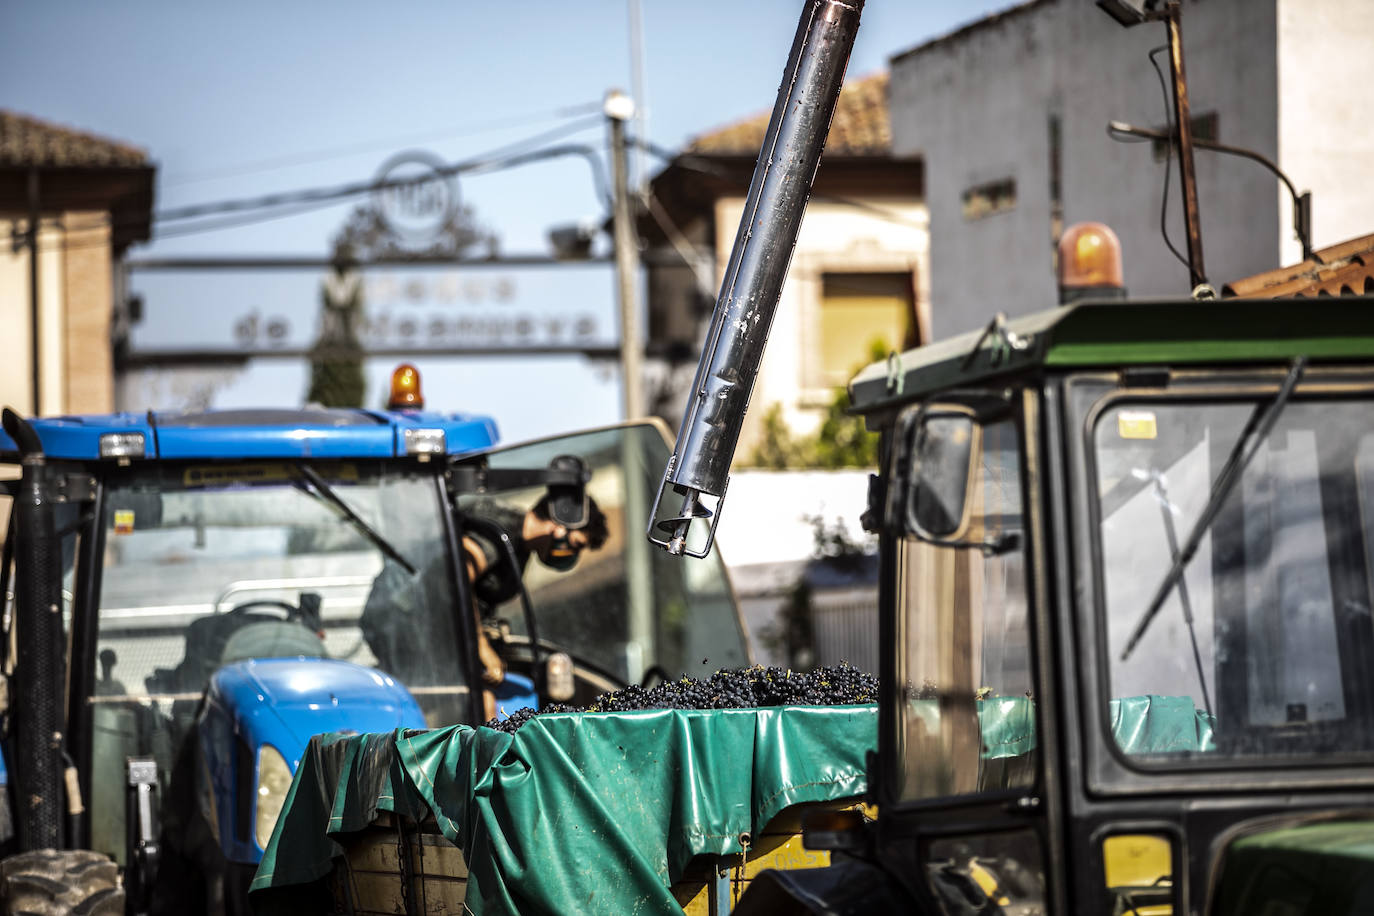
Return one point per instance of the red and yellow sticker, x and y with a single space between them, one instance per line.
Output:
124 521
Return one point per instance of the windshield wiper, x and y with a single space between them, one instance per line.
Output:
1255 432
324 491
1184 600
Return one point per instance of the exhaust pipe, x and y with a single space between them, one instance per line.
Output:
786 168
40 674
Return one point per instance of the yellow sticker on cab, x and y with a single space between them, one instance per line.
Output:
124 521
1136 424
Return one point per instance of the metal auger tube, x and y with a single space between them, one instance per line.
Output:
758 264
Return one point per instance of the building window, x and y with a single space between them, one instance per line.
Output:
987 199
862 315
1205 127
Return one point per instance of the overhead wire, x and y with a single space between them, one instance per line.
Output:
307 157
1168 159
292 202
705 166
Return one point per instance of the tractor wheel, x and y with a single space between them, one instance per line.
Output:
67 882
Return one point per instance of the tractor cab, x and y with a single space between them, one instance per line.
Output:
1127 580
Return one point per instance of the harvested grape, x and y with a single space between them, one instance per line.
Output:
739 688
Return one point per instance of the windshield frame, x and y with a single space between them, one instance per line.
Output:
83 637
1088 396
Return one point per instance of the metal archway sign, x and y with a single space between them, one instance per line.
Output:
415 196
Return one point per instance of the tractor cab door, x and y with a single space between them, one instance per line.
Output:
960 785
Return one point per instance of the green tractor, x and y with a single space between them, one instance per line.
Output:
1126 591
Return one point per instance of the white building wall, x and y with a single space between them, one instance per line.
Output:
879 235
977 108
16 370
1326 137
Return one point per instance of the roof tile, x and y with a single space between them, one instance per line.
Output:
860 127
29 141
1346 269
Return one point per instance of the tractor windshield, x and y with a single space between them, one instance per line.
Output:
1263 646
206 565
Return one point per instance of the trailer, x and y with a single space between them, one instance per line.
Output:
653 812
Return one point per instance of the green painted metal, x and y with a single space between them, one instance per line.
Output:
1122 334
1324 868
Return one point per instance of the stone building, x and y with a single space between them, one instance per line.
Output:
1010 114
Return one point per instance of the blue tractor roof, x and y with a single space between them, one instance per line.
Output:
310 432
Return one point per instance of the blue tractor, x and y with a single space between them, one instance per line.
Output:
195 595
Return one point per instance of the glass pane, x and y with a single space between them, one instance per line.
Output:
208 565
1263 647
627 607
969 721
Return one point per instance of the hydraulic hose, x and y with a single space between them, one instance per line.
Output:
39 673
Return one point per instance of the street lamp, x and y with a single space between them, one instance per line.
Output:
619 108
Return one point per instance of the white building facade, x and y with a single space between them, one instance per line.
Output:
858 274
1010 117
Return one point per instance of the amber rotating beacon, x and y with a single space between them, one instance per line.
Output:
786 167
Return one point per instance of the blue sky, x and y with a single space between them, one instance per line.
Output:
238 100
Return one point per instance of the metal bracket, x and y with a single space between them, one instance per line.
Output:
1004 343
896 379
71 487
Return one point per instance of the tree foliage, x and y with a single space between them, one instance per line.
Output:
336 358
840 442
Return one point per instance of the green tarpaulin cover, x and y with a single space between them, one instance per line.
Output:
601 812
1160 725
574 812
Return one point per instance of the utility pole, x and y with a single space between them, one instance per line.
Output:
619 108
35 305
639 590
1173 16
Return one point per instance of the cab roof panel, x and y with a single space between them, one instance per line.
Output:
240 434
1117 334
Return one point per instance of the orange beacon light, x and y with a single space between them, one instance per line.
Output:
405 389
1090 263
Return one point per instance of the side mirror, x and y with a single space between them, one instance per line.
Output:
941 468
939 450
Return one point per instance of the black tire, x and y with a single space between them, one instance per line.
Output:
68 882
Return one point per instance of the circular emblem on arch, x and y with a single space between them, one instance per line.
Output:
414 197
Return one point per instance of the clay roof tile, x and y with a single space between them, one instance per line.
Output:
860 127
29 141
